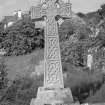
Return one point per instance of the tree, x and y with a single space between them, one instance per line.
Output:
101 11
81 15
22 90
72 34
22 38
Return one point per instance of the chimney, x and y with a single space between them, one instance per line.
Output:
19 14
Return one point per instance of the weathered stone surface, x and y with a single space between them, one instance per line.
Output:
53 96
53 92
53 68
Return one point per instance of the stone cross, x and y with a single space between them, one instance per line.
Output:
53 77
53 91
53 68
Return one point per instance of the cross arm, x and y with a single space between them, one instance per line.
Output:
64 10
37 12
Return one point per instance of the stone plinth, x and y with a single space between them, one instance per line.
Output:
52 97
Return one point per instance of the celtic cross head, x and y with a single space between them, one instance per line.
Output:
49 3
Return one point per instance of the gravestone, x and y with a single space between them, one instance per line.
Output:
89 59
2 53
53 91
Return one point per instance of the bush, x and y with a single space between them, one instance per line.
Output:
83 84
21 38
99 97
74 39
22 91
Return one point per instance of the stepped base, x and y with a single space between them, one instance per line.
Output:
53 97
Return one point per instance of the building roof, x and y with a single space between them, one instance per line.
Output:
8 19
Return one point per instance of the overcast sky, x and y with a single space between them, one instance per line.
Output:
8 6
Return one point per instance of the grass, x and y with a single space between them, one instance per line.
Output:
81 83
99 97
75 78
23 64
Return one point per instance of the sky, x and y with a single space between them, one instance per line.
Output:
7 7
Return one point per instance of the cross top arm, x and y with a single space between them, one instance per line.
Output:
56 7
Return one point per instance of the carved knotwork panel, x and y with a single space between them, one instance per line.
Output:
54 76
36 12
53 50
51 27
43 12
51 3
64 10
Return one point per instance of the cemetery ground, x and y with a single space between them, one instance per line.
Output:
23 64
85 86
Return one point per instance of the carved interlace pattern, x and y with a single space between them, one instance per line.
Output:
53 77
53 74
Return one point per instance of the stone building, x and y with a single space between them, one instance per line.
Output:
10 20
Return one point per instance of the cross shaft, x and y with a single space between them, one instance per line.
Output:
53 76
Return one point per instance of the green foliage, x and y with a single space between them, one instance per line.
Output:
73 26
74 35
101 11
22 90
99 97
73 53
21 38
83 85
81 15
